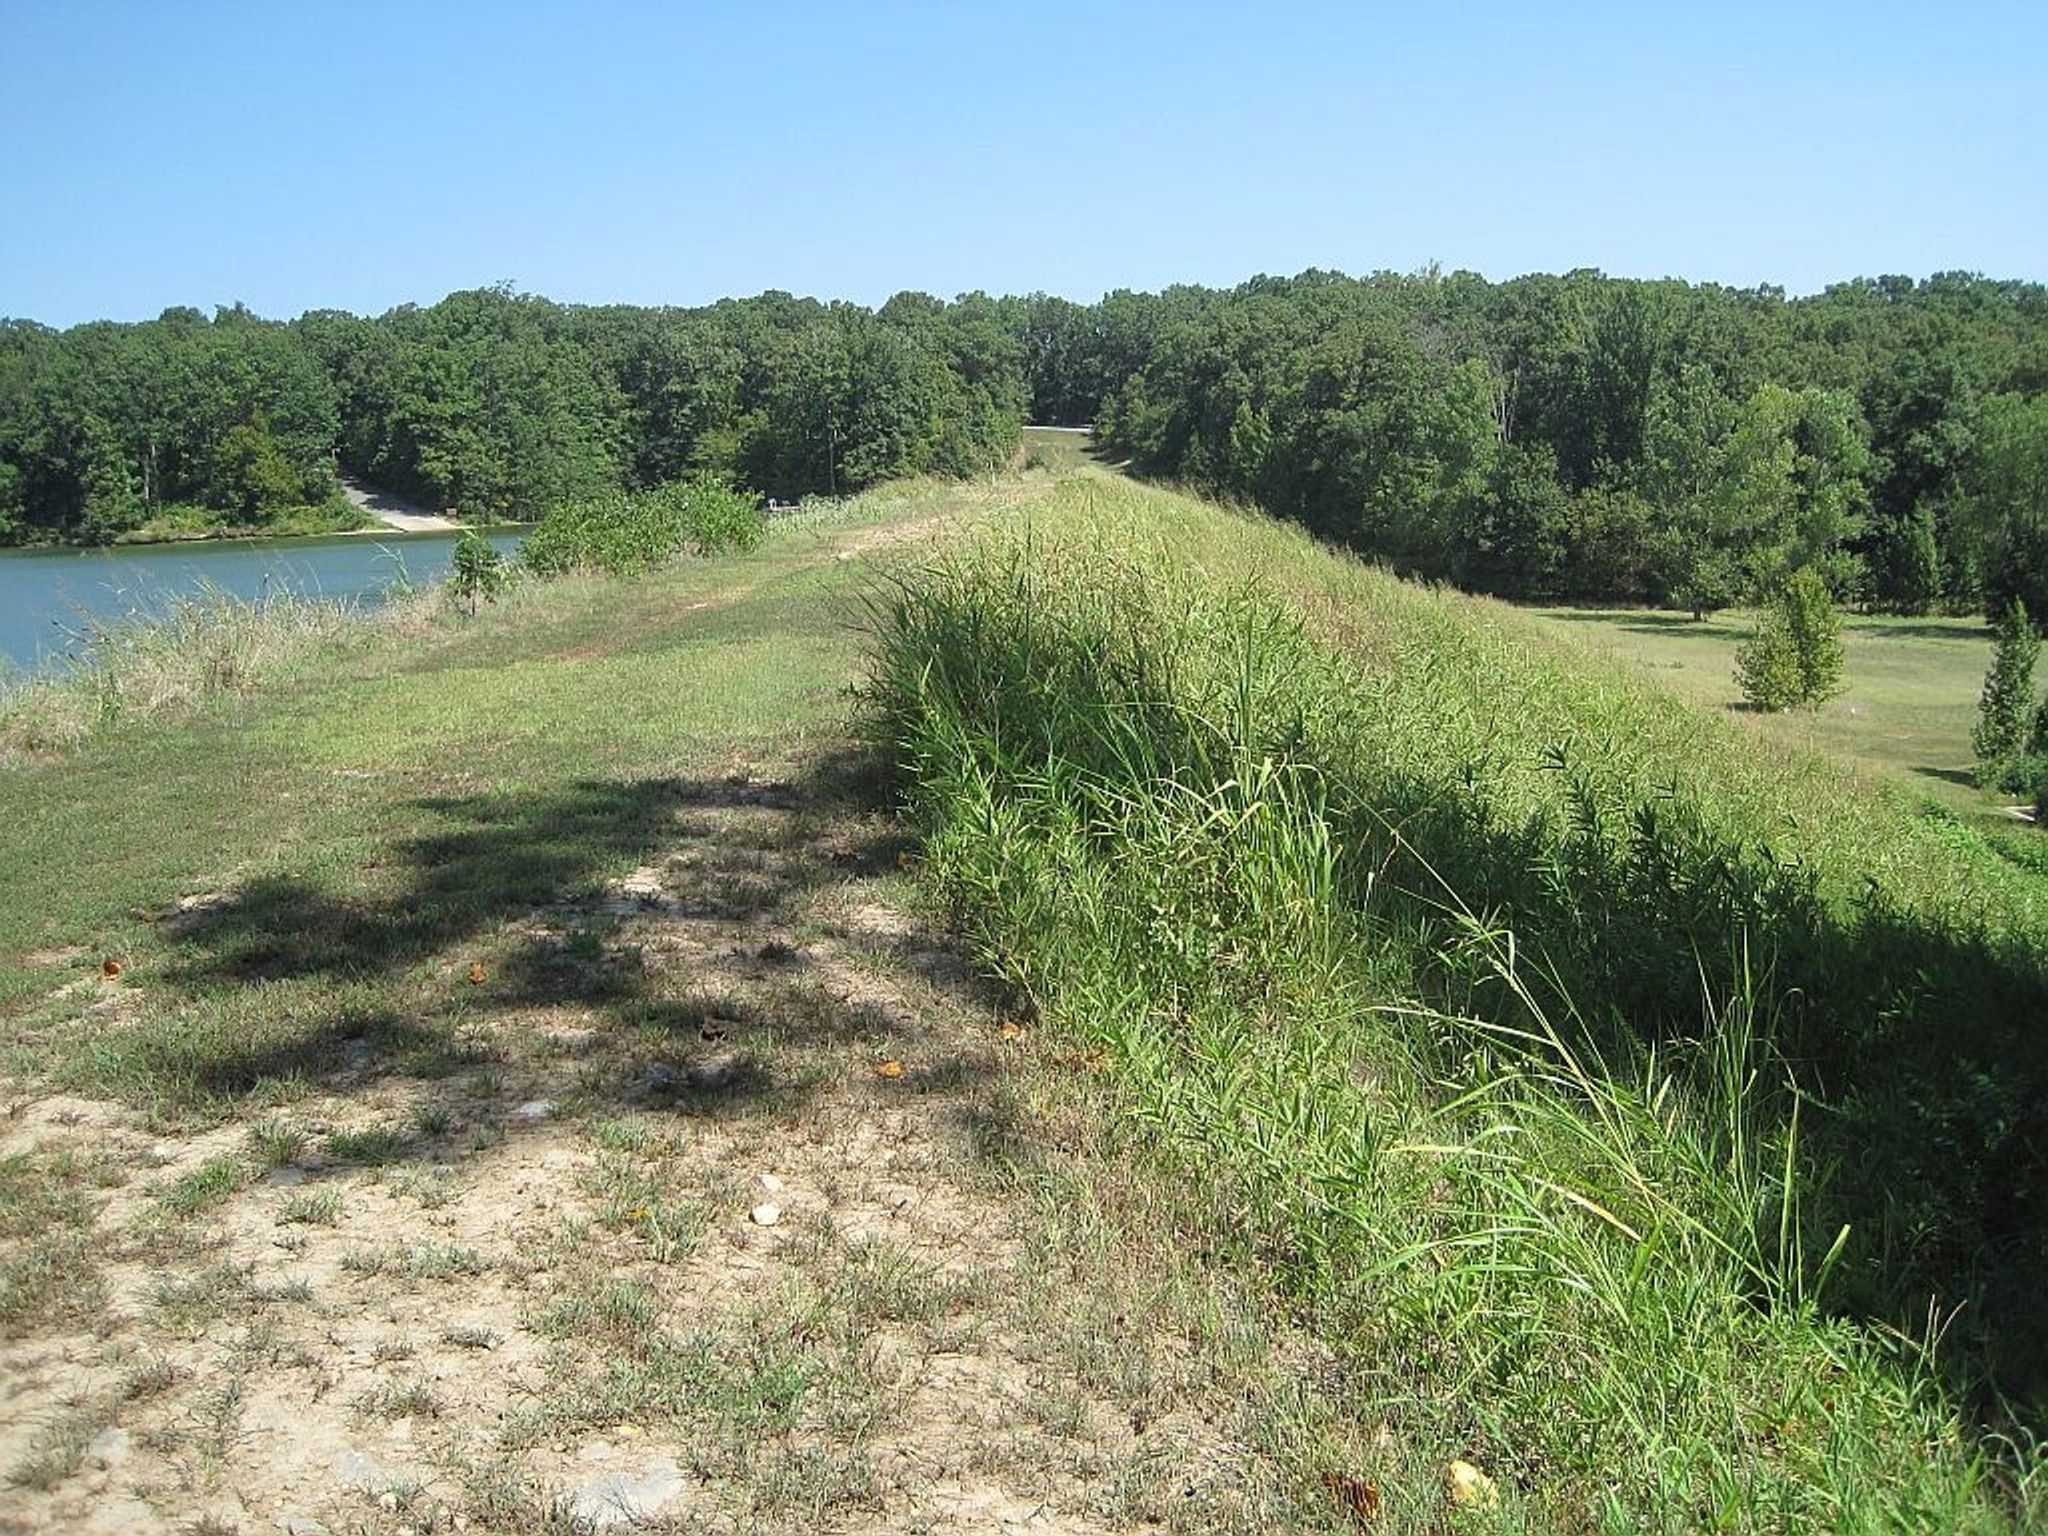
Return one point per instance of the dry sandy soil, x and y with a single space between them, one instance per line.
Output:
802 1247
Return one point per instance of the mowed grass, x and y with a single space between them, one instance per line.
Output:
1906 713
305 853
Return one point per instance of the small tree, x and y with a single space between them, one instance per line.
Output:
2005 710
1795 654
1816 627
478 573
1767 663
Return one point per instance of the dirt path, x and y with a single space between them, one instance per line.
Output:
395 511
740 1266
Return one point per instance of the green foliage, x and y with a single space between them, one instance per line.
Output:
1499 1036
1767 663
2006 709
1795 654
626 531
477 572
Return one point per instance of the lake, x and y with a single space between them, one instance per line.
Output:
47 595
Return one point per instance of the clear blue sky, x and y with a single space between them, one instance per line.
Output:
294 155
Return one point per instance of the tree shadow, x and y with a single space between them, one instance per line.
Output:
1962 776
1681 626
509 910
1902 631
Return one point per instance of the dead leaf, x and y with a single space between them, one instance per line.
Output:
1356 1494
1472 1488
1094 1059
892 1068
477 974
1012 1030
110 968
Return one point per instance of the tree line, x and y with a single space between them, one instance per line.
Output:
1591 438
1572 437
497 404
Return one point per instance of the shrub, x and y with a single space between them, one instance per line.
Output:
1767 664
2006 709
626 531
478 572
1795 656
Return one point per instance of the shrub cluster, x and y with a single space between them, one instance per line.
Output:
625 531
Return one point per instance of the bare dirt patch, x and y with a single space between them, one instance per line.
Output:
541 1294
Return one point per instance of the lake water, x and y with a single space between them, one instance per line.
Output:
46 595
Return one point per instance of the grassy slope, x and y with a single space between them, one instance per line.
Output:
1177 798
1907 711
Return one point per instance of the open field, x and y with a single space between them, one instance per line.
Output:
1906 713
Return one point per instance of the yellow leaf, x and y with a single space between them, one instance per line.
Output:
1472 1488
889 1068
476 973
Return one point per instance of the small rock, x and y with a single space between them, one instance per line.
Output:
558 1160
536 1109
301 1525
771 1183
287 1177
360 1470
618 1498
765 1215
400 1429
108 1449
714 1071
593 1450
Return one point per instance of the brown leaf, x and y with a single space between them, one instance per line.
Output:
1012 1030
110 968
477 974
892 1068
1356 1494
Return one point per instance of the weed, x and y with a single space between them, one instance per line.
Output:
210 1184
370 1147
276 1143
399 1400
54 1451
310 1208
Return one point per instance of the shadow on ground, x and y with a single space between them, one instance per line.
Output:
688 983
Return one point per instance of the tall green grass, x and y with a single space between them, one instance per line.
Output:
1519 1047
197 648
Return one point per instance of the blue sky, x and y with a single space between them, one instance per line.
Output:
294 155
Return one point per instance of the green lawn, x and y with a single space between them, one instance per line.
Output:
347 782
1907 711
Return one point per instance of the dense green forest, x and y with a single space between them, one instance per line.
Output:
1577 437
